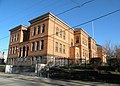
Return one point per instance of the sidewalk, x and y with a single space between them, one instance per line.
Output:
53 81
9 75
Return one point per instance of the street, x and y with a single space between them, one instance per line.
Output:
23 80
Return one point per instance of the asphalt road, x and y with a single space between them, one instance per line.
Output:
22 80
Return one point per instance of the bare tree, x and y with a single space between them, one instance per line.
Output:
113 51
109 49
117 51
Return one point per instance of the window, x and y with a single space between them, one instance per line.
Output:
56 47
63 48
71 42
61 33
12 38
41 44
38 29
64 35
10 50
77 39
37 45
17 37
13 50
84 41
43 28
32 47
34 31
57 31
60 48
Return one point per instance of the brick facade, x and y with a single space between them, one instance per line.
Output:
46 39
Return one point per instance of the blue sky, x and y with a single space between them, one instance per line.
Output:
16 12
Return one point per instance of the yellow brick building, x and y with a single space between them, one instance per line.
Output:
49 39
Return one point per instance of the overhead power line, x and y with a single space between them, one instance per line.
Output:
64 12
57 15
98 18
78 6
4 37
87 21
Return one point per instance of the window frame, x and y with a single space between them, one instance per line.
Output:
60 48
61 33
77 39
43 28
37 46
33 46
56 47
42 45
38 29
57 31
64 35
64 49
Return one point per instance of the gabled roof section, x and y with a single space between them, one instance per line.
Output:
17 27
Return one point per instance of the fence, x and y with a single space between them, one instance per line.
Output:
69 61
